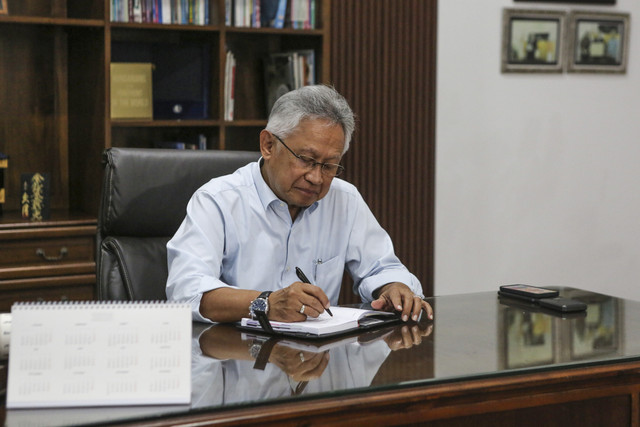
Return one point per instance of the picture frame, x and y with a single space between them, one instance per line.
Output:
3 7
572 1
598 42
533 41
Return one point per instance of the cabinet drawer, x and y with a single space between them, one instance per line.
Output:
47 252
63 288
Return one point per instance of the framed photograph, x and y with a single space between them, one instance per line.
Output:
598 42
532 41
3 7
574 1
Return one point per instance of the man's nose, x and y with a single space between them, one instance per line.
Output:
314 175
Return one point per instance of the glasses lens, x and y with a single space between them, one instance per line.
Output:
331 169
306 162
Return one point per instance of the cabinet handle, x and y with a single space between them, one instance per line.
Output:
63 252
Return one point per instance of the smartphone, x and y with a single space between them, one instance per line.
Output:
564 305
528 292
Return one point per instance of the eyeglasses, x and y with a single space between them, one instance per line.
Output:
306 162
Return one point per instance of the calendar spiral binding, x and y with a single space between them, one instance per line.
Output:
65 305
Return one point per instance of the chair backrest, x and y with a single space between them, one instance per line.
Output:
144 196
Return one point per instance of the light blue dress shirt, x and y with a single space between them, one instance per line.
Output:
237 233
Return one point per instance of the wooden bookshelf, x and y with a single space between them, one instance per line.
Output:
55 86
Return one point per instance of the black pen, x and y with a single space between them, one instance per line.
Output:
302 277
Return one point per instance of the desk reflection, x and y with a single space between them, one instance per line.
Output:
226 370
534 337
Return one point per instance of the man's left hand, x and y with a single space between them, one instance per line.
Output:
397 296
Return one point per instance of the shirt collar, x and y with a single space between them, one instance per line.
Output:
265 193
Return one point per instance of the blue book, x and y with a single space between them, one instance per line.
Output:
280 14
268 11
158 11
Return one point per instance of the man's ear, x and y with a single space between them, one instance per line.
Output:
266 144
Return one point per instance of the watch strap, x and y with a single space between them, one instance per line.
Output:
264 322
265 294
263 316
264 353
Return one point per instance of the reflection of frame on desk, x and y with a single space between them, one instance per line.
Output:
531 336
600 331
527 337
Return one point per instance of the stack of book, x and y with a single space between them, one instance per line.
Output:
185 12
298 14
285 71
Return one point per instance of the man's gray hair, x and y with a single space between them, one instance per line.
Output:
311 103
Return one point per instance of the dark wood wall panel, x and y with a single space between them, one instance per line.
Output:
383 61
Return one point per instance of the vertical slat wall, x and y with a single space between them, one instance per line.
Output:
383 61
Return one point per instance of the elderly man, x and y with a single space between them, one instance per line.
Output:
251 241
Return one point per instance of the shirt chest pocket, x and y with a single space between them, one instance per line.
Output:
328 275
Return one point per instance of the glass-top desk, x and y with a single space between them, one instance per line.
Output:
481 360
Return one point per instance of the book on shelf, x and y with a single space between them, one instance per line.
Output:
256 14
99 353
185 12
307 58
300 14
229 86
344 320
240 13
280 14
135 11
164 12
297 14
131 90
268 11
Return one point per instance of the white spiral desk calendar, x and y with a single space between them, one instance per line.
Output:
96 353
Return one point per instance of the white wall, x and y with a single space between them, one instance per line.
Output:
537 175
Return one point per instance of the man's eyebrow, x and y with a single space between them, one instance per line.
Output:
310 152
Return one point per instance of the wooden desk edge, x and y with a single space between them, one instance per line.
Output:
415 403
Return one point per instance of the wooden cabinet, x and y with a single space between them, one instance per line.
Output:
55 106
49 260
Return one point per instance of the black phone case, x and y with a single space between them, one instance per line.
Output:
518 297
541 292
565 305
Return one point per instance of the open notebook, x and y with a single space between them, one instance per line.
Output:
344 320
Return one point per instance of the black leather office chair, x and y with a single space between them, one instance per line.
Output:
144 196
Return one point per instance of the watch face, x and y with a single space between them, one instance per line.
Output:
259 305
254 350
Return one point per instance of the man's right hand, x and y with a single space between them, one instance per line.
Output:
297 301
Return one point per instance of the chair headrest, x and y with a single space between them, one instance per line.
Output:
145 191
